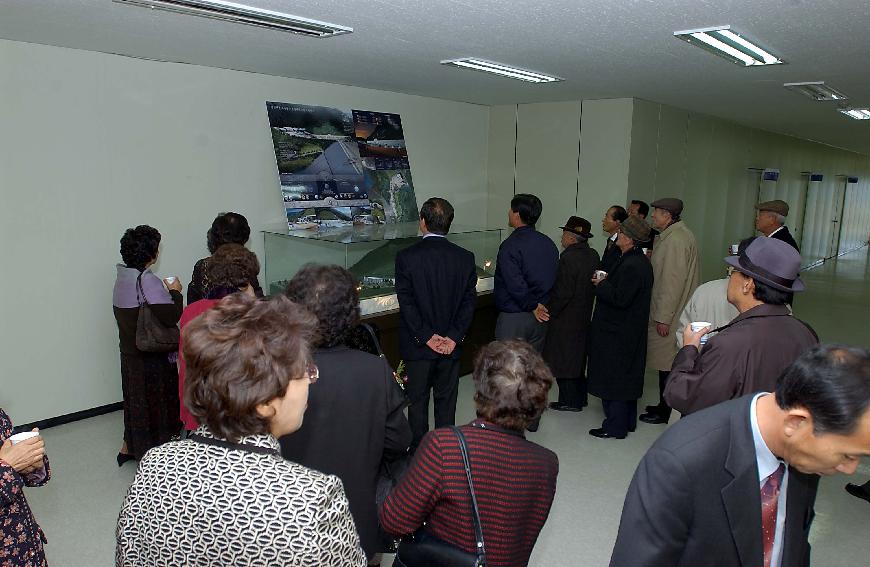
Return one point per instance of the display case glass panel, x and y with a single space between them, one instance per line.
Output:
369 253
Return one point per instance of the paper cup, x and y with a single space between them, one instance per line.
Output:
23 436
697 326
600 274
170 279
734 249
645 251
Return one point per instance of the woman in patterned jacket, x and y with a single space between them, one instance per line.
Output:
22 464
224 495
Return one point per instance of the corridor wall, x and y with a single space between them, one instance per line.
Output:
93 143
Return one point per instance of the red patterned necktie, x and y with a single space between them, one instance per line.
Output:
769 499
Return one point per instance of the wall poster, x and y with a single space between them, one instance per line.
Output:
341 167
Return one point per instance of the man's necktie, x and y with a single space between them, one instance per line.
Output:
769 500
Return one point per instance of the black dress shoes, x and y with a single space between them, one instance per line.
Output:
858 491
601 434
559 406
653 418
124 457
651 409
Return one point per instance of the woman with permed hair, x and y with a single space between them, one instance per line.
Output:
227 228
149 380
514 479
355 417
231 269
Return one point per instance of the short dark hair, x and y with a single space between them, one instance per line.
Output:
330 293
619 213
528 206
642 207
232 266
438 214
832 382
139 246
227 228
240 354
511 383
769 294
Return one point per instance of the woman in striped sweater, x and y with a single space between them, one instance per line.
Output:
514 479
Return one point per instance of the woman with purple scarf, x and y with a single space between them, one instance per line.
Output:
149 380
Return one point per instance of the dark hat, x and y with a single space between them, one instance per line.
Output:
670 204
578 226
771 261
776 206
636 229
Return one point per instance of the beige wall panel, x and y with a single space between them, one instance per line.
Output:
670 178
548 136
604 159
500 164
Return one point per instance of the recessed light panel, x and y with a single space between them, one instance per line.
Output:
501 70
857 113
241 14
816 90
724 42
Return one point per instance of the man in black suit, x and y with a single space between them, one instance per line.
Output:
770 221
610 224
735 484
436 284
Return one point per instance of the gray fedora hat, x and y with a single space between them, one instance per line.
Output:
770 261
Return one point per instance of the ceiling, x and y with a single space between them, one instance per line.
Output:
603 48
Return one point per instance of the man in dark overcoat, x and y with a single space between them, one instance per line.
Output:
617 338
569 311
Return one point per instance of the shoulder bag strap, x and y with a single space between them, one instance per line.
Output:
478 530
140 292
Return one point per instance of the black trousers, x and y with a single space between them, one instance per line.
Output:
572 392
620 417
663 409
441 376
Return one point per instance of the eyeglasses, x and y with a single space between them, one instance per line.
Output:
313 373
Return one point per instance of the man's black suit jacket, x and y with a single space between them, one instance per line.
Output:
436 285
695 498
786 237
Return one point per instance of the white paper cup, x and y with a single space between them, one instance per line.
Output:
697 326
23 436
645 251
734 249
600 274
170 279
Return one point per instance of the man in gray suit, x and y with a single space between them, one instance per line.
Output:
735 484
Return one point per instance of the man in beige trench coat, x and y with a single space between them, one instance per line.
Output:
676 272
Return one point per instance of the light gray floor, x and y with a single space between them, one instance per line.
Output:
79 507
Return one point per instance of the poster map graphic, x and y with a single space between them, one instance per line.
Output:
341 167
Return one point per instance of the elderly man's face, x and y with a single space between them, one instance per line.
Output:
826 453
568 239
765 221
633 210
660 218
607 223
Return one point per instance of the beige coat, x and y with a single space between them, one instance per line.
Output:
676 269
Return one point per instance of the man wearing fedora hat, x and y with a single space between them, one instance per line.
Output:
617 336
770 221
749 353
569 310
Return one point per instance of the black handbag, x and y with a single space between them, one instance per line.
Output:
425 550
151 334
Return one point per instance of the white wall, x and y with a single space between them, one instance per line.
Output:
91 144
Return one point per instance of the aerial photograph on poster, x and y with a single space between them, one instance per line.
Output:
341 167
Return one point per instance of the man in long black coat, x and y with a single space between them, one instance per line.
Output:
617 339
569 311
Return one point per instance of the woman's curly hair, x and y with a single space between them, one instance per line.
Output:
232 266
240 354
330 293
511 383
139 246
227 228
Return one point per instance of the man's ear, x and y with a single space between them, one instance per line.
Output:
797 421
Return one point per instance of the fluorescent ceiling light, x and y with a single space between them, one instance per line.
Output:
724 42
499 69
857 113
816 90
241 14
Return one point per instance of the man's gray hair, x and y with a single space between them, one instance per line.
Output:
780 220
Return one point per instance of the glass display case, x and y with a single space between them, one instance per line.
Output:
369 253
